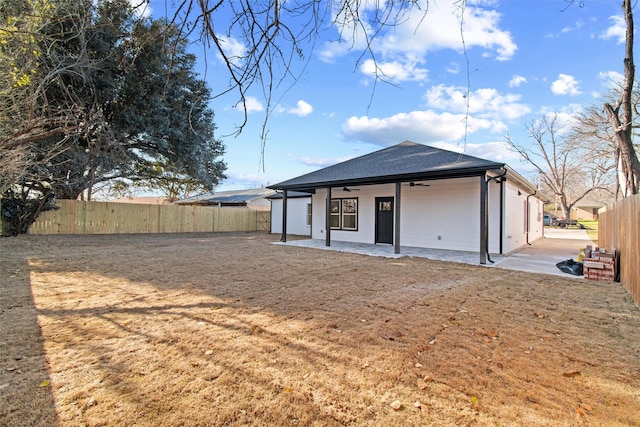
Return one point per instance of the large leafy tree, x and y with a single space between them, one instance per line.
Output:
144 103
25 116
100 95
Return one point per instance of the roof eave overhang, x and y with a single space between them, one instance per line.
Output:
418 176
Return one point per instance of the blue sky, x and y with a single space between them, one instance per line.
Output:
525 58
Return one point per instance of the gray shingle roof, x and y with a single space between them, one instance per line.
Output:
290 195
234 196
407 161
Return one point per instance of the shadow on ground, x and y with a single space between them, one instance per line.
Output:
26 397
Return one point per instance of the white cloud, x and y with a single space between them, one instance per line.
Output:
486 111
402 49
481 29
141 8
496 151
565 85
440 29
302 109
395 70
617 31
243 181
420 126
251 104
517 81
233 49
483 2
486 102
611 79
576 27
565 118
453 68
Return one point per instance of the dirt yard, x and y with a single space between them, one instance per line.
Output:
228 329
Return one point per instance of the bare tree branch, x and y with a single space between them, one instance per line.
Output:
565 162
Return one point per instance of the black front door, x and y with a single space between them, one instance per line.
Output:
384 220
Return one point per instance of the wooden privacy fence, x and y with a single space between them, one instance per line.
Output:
78 217
619 228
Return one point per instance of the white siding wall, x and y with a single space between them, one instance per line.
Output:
444 215
296 216
516 219
494 217
366 212
536 225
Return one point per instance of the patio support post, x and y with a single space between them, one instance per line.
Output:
484 219
283 238
327 227
396 230
502 189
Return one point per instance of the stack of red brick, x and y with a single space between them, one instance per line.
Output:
600 264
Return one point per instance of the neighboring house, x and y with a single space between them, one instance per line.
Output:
414 195
299 214
584 209
254 198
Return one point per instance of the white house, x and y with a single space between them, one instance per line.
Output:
414 195
299 213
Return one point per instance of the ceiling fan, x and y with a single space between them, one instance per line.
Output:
418 184
348 190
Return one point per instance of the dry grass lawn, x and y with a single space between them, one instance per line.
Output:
228 329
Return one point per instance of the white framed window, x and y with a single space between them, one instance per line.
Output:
344 214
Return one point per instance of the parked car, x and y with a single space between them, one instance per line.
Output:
563 223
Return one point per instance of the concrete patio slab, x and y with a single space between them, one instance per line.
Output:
539 257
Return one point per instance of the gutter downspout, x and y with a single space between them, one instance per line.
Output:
397 226
283 238
327 219
484 219
501 216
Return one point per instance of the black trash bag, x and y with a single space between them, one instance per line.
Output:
571 267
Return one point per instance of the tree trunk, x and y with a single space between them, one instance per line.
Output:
621 118
566 211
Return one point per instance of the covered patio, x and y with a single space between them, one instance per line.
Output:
409 198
